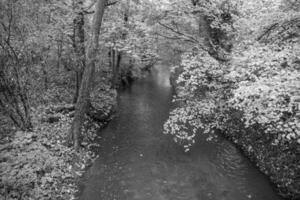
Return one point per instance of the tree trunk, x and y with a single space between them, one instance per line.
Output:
117 67
79 46
113 65
59 52
84 92
117 55
109 57
219 45
44 70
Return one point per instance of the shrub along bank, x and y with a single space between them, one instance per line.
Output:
247 86
278 159
40 164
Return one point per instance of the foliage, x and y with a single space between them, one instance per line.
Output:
236 69
199 97
37 165
202 87
252 96
261 80
268 90
126 31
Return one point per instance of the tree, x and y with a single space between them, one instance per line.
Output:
86 83
253 96
14 100
116 56
79 44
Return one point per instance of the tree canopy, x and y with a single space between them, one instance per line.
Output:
234 64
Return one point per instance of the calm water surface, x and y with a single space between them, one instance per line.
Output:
138 162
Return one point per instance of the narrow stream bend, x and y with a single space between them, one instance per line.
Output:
138 162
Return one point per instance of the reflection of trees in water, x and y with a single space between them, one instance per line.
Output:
162 75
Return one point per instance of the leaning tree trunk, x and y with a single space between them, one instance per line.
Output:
84 92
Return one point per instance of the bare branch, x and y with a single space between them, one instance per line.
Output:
175 38
189 37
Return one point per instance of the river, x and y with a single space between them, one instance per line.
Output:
138 162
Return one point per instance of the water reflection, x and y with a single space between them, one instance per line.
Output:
161 74
138 162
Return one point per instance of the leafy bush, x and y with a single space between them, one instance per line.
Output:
261 83
202 91
268 89
253 98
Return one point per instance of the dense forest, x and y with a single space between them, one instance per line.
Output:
235 70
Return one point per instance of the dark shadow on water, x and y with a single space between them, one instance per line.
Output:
136 161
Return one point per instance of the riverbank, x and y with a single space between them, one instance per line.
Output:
40 164
279 162
137 161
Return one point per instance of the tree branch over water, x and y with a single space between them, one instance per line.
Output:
191 38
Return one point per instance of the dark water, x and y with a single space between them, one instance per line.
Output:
138 162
